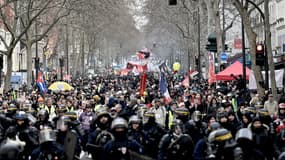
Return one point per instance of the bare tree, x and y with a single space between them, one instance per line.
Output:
45 22
269 48
244 12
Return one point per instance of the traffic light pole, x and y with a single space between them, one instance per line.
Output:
266 67
243 55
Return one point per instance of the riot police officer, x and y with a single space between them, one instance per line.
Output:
121 147
10 149
135 129
26 133
153 133
175 144
101 135
222 146
49 149
64 129
245 141
196 127
43 119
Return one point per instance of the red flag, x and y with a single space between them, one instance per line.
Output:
142 84
212 75
142 68
140 55
186 81
124 72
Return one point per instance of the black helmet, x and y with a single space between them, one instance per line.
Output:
71 115
249 112
11 149
214 126
182 112
61 109
12 107
177 124
43 115
21 115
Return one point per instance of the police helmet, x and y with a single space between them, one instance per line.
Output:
177 126
21 115
102 112
249 112
11 149
244 133
12 107
214 126
263 112
149 114
258 104
61 109
182 112
119 123
43 114
196 116
135 119
220 135
71 115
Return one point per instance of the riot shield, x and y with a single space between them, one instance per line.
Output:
70 143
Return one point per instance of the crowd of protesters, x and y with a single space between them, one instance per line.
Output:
111 120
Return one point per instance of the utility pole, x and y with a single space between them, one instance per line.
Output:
199 43
243 54
223 32
66 48
37 60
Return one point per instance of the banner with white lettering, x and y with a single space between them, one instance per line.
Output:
278 78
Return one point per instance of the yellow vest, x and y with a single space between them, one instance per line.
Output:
50 110
170 119
70 110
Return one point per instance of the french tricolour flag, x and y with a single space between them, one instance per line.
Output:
163 88
41 83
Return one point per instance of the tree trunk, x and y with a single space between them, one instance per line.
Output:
9 69
82 54
269 49
75 59
211 15
29 64
251 35
219 35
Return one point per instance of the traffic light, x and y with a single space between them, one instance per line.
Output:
212 43
226 47
61 62
37 62
196 61
172 2
259 56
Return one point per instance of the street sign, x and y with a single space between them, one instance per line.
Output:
223 56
